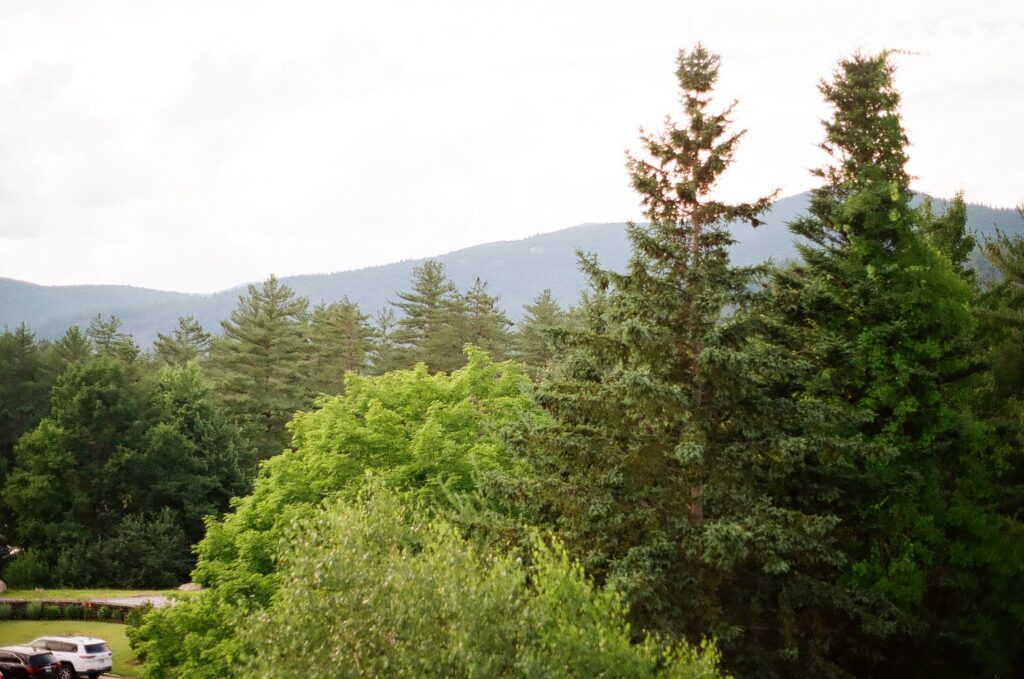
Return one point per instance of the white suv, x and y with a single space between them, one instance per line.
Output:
77 655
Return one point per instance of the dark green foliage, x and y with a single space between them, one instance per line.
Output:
72 347
341 340
113 486
192 459
51 612
62 489
261 363
485 325
880 305
34 610
6 612
25 381
532 341
671 459
428 329
189 342
74 612
103 613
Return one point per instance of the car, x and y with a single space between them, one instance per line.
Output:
77 656
26 662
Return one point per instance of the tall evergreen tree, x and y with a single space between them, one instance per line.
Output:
428 327
671 449
108 340
261 362
485 325
544 314
188 342
72 347
340 342
883 313
385 354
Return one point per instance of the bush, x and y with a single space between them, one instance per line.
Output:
51 612
75 612
117 615
28 569
137 615
103 613
34 610
6 612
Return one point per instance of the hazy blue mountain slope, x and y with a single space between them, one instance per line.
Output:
516 270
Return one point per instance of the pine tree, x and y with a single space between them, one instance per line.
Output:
485 325
882 311
261 362
428 327
189 342
672 449
341 341
108 340
544 314
72 347
385 354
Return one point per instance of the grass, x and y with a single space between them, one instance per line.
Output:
88 594
23 631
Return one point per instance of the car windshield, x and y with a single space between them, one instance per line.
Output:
95 648
40 660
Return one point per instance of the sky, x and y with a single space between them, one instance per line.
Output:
195 146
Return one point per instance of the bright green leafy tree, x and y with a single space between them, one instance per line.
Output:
374 589
430 436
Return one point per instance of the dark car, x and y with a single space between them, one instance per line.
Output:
25 662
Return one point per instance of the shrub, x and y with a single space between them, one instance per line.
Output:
75 612
27 570
103 613
117 615
6 612
51 612
34 610
137 614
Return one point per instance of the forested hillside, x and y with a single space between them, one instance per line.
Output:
515 270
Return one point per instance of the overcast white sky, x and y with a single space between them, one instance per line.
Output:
197 145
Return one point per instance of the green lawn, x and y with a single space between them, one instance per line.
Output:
87 594
23 631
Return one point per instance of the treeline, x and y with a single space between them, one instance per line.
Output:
799 469
111 457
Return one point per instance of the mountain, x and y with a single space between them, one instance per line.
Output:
515 270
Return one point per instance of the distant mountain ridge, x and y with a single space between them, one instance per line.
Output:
515 270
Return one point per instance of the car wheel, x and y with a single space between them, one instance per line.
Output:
66 672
